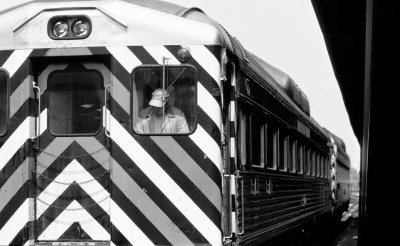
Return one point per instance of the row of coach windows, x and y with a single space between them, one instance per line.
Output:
265 144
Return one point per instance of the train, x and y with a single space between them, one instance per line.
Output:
131 122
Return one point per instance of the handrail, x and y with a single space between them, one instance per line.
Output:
229 205
242 195
105 112
37 128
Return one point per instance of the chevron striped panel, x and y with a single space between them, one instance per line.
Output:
125 189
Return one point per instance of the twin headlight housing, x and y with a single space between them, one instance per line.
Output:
69 27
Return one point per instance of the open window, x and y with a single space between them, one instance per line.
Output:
164 99
4 101
76 97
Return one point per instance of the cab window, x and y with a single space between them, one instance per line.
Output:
164 99
4 101
75 97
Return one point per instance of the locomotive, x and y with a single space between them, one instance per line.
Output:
75 79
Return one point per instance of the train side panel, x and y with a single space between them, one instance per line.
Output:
282 161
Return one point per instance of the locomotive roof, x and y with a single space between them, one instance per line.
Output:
280 84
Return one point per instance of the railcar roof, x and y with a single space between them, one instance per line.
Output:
343 155
338 140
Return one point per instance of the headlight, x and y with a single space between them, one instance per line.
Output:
69 27
60 29
80 28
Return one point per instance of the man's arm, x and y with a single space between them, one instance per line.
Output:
182 124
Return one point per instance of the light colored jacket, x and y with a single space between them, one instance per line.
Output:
174 121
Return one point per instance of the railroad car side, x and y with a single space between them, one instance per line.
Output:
282 155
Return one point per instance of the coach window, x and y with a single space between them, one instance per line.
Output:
163 99
257 141
76 97
272 145
243 143
312 162
300 158
326 167
329 167
316 164
289 154
293 159
318 173
326 162
283 150
322 169
319 165
307 166
4 101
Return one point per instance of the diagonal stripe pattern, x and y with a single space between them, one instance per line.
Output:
132 194
174 193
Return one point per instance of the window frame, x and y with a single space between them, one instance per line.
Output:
307 155
317 164
300 157
272 147
102 87
283 150
7 104
293 152
329 167
243 144
313 163
262 139
196 105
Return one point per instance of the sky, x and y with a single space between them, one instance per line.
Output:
286 34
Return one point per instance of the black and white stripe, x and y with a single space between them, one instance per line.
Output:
175 205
